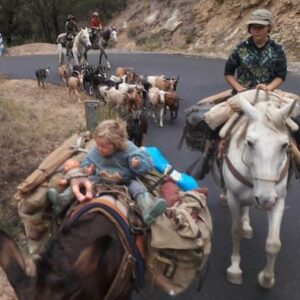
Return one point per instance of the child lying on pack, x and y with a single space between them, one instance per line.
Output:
77 179
115 159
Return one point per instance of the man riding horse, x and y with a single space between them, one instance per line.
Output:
95 25
71 31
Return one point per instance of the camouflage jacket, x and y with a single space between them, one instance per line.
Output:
255 65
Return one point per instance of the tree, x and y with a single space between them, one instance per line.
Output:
43 20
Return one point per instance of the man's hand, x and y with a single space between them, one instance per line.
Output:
263 86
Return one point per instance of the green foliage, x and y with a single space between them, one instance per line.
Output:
43 20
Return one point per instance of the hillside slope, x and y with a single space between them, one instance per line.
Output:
209 28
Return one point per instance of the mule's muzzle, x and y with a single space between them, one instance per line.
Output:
265 203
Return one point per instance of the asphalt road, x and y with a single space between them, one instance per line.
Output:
201 77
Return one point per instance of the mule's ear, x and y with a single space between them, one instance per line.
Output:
287 110
248 108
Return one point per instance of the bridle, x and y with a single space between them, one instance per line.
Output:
245 181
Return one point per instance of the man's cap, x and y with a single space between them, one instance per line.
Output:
260 16
95 14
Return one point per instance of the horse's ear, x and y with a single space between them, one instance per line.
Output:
287 110
248 108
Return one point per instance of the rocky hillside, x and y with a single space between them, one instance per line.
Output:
209 28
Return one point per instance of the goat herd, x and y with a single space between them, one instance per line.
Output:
123 91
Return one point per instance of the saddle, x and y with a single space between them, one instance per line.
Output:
115 211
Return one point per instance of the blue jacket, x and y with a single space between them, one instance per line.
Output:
119 162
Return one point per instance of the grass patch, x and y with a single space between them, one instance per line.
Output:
150 42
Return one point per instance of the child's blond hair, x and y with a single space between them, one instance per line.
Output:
114 131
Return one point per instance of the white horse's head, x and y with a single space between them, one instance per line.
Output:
113 34
84 37
266 150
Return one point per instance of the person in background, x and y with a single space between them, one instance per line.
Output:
1 45
116 160
71 31
95 25
259 62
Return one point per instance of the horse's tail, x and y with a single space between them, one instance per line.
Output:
60 54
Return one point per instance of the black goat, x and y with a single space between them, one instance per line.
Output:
137 127
41 75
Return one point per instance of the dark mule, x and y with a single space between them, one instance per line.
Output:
84 260
101 42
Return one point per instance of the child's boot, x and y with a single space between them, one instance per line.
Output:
60 201
151 207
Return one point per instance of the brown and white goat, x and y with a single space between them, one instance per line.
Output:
163 83
159 101
126 71
130 99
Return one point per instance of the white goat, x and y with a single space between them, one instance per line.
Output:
125 87
118 79
157 103
114 97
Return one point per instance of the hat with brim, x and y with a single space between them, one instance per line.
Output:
71 17
261 17
259 22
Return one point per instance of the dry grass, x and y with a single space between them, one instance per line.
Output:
34 48
34 121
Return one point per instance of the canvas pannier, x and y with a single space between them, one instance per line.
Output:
196 131
180 246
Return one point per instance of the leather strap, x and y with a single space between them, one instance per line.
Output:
236 173
243 180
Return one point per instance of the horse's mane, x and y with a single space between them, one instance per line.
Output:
271 118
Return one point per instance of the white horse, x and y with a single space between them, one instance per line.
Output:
102 39
80 45
255 170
